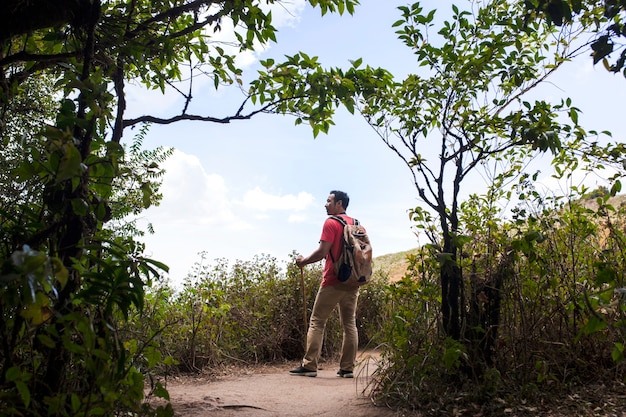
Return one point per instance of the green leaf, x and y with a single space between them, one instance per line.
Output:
593 325
161 392
61 274
618 353
146 192
616 188
46 340
13 374
349 106
70 163
24 392
76 403
573 114
80 207
38 311
357 62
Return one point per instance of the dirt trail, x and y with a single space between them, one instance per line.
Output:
272 392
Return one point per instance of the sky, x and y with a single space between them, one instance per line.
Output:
258 187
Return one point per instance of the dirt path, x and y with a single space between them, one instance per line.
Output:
273 392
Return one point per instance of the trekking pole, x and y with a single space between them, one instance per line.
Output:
304 315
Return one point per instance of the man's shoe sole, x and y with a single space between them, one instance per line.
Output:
309 374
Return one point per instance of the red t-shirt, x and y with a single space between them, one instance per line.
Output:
332 232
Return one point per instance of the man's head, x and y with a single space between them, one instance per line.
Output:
337 202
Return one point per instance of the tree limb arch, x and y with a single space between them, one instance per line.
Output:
182 117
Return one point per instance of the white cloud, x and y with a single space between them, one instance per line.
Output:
286 13
192 196
200 214
141 101
297 218
260 200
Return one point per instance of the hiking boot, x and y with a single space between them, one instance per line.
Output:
345 374
302 371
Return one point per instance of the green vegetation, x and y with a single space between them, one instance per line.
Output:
249 312
497 306
468 114
493 307
554 274
544 295
72 270
609 28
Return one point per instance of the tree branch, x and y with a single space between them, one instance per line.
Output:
176 12
225 120
52 59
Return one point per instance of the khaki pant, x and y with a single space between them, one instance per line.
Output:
325 301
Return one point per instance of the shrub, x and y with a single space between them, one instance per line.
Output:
561 318
248 312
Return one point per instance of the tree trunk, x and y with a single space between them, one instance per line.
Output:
450 290
484 314
72 231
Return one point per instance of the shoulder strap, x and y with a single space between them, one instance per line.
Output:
343 224
339 219
342 221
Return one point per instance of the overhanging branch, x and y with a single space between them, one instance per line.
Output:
194 117
181 117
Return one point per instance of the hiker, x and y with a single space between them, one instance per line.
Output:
330 294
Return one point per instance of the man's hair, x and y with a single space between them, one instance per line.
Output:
341 196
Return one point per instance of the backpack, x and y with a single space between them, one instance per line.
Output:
354 265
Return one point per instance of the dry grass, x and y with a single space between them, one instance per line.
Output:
394 264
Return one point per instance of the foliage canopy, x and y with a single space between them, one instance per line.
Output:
69 273
606 18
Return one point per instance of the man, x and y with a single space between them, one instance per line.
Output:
330 294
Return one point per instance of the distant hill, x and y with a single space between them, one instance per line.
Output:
393 263
617 201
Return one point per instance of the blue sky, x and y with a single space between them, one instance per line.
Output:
259 186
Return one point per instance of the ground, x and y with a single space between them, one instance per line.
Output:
271 391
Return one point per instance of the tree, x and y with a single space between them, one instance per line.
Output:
605 18
66 281
27 112
467 111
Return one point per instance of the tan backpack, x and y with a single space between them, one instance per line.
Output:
354 265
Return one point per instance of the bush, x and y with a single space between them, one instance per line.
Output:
561 323
248 313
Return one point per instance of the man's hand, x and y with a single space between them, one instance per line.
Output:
300 261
